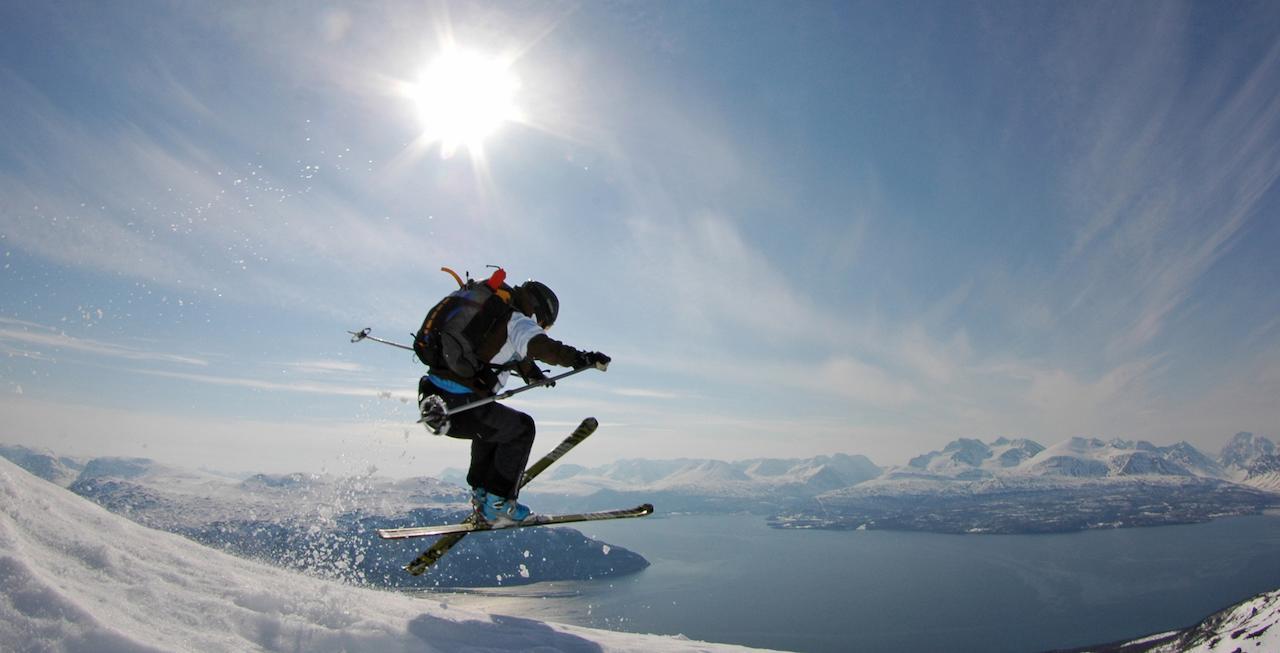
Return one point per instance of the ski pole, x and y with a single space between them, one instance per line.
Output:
509 393
363 334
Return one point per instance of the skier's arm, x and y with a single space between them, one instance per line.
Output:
545 348
549 350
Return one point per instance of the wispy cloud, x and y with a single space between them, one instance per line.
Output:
326 367
170 208
259 384
646 393
1167 172
47 340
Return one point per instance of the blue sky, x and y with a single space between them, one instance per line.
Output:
798 228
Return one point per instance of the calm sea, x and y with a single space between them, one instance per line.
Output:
733 579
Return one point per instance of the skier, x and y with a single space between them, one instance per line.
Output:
501 437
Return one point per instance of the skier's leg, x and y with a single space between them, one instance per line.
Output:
503 438
481 462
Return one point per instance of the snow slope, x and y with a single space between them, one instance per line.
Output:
1251 626
78 578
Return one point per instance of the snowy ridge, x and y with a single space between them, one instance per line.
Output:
1244 448
1078 457
1251 626
1093 457
326 524
1017 486
1008 485
1264 472
77 577
746 479
43 463
973 459
1252 460
172 498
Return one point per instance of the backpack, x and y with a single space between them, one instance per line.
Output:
463 331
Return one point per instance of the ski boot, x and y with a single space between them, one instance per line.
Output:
478 495
499 512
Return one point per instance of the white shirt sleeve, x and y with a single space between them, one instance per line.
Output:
520 330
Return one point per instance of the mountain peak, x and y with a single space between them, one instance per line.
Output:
1243 449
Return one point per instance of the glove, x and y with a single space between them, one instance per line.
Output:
592 359
531 373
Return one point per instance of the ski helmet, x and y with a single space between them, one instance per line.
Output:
543 302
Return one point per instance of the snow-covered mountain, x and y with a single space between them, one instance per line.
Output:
1252 460
969 458
1251 626
1094 458
1079 457
1243 449
1018 486
1193 460
700 484
325 524
1264 473
79 578
55 469
1005 485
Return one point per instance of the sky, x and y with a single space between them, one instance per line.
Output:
797 228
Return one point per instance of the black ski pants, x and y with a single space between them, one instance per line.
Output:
501 439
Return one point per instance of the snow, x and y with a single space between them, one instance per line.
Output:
78 578
1248 626
749 479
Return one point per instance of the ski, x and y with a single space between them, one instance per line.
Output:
442 546
584 430
472 525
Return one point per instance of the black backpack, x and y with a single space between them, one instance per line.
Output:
466 329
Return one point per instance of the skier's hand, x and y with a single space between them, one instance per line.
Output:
592 359
531 373
538 375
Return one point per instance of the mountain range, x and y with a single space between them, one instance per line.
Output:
325 523
1020 486
969 486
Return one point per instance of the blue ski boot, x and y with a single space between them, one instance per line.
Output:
499 512
478 495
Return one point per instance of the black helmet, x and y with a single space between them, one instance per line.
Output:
543 302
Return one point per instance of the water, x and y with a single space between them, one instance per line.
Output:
733 579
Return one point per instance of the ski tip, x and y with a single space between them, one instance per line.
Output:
590 421
647 508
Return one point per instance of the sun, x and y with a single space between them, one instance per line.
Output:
463 97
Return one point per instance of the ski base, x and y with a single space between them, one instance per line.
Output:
471 524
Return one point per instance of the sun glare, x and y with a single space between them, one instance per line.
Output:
463 97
